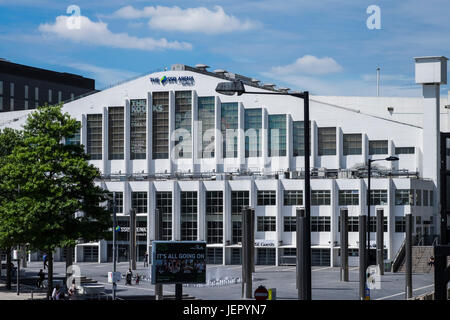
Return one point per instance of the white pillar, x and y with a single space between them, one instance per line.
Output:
241 136
265 140
149 135
126 145
339 147
218 137
105 140
171 131
289 142
195 145
314 144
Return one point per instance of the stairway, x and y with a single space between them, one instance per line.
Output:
420 257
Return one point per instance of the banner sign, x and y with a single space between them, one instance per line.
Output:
178 262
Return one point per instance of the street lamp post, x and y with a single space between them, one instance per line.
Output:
237 86
369 173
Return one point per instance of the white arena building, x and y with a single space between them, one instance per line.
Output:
157 141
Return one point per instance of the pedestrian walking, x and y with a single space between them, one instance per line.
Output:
73 291
146 259
41 278
129 275
138 278
45 259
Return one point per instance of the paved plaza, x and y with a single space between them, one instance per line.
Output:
325 282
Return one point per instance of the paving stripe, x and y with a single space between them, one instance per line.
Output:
400 293
135 287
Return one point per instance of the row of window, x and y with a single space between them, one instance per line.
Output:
239 199
229 123
26 96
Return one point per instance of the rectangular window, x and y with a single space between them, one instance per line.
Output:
327 141
1 88
237 232
378 147
277 135
139 201
11 89
352 144
400 224
320 224
49 95
425 198
239 199
59 96
11 104
293 197
72 96
229 126
404 197
290 224
75 139
26 92
353 224
252 127
36 93
94 136
378 197
115 133
404 150
183 124
119 201
267 197
138 128
348 197
214 216
298 138
207 119
320 197
164 205
266 224
1 103
188 210
373 224
431 198
160 125
418 197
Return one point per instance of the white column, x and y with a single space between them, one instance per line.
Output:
391 219
227 211
176 219
334 220
195 134
171 130
201 212
265 140
289 142
339 147
83 132
241 136
314 144
365 148
218 137
127 131
151 222
105 140
279 220
149 135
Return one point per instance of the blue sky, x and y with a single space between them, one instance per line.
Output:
321 46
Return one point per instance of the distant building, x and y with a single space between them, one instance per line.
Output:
24 87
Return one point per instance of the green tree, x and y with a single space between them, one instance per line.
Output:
9 139
58 202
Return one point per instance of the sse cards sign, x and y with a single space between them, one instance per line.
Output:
178 262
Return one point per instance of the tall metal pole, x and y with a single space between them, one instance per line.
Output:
362 256
114 286
408 256
132 239
18 274
298 244
252 239
303 291
344 245
369 173
158 236
380 241
306 258
247 238
378 81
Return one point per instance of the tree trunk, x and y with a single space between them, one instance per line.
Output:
50 274
8 268
69 261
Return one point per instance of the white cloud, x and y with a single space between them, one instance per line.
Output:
309 65
198 19
97 33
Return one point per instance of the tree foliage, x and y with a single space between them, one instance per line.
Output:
57 201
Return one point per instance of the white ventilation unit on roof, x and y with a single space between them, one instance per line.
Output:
202 67
269 86
220 72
